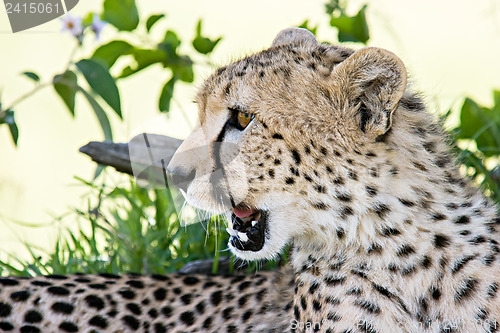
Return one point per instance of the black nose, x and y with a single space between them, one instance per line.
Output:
180 178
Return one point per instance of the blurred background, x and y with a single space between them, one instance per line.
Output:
55 216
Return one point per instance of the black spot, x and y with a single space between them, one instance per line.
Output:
187 318
289 181
59 291
368 306
131 322
208 322
466 290
6 326
127 293
271 173
405 250
153 313
407 203
99 286
344 197
216 297
375 248
464 219
371 191
82 280
68 326
166 311
190 280
313 287
20 296
160 294
63 307
5 309
335 280
94 301
110 276
346 211
8 282
338 180
340 233
441 241
159 328
382 210
306 177
426 262
477 240
492 290
320 205
98 321
33 317
186 299
320 189
389 231
41 283
296 156
134 308
352 174
465 232
303 303
135 284
459 265
435 293
244 285
29 329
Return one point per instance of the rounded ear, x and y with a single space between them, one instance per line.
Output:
372 81
294 36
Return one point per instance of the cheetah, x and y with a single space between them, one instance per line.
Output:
327 149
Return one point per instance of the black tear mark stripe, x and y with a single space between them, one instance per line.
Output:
216 156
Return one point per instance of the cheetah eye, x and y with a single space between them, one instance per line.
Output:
244 119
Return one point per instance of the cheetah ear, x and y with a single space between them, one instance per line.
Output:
372 82
294 36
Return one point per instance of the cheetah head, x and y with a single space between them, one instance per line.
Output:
273 126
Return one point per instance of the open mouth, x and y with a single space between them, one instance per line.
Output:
248 230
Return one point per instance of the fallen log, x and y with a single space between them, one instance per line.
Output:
144 157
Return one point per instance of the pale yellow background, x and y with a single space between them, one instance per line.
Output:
451 49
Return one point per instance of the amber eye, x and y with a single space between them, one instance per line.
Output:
244 119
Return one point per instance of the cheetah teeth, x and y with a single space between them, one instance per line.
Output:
243 236
232 232
240 235
254 223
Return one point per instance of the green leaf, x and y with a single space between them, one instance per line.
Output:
170 43
32 76
107 54
352 28
166 95
202 44
66 86
482 125
101 115
143 58
101 82
152 20
8 118
122 14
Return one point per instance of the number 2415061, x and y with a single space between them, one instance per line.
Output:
32 8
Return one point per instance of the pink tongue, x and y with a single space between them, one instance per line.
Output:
243 213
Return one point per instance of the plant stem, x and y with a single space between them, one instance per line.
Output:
26 95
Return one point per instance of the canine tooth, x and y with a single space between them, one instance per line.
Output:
232 232
243 236
254 223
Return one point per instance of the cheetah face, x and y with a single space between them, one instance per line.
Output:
269 125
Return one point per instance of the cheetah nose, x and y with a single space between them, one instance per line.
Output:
180 178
